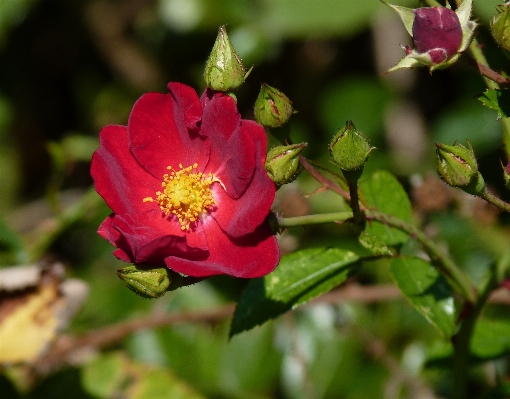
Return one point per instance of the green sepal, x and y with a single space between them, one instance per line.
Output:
406 15
144 281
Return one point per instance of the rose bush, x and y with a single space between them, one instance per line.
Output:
186 182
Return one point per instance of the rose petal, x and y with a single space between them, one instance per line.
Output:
436 27
253 207
158 134
256 255
232 157
188 101
195 237
437 55
149 240
118 177
168 130
106 230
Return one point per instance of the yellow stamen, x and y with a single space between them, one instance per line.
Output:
186 194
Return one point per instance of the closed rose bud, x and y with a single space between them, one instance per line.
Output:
282 163
145 282
440 35
349 149
457 166
224 69
272 107
500 27
436 30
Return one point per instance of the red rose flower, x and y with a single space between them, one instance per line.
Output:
186 182
437 30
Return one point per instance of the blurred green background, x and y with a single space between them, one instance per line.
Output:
67 68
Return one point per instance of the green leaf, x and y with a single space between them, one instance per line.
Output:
383 192
300 277
115 375
491 339
373 244
427 290
498 100
103 376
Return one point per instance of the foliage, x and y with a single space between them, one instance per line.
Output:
390 284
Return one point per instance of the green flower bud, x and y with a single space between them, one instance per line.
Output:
457 166
224 69
282 163
500 27
272 107
349 149
148 283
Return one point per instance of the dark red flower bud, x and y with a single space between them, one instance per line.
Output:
438 29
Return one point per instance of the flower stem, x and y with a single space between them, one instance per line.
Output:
353 191
322 179
506 136
459 280
315 219
492 199
492 81
462 340
483 66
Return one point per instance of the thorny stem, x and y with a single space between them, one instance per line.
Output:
322 179
494 76
460 281
492 199
445 265
462 340
353 190
492 79
314 219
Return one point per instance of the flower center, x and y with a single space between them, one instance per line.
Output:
186 194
